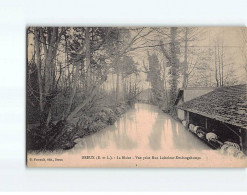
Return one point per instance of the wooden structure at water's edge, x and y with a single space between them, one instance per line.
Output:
222 110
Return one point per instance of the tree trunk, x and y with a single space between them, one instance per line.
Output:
73 88
222 66
38 65
87 64
185 76
117 88
165 85
117 85
174 65
215 65
219 64
82 105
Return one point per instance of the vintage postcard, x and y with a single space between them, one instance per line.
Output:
136 97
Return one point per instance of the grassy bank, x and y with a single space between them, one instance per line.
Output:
62 134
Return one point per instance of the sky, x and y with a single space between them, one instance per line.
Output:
231 37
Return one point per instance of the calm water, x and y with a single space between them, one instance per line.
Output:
146 132
142 128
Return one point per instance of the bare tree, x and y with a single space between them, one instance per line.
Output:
171 55
244 46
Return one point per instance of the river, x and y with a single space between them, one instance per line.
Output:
143 137
144 128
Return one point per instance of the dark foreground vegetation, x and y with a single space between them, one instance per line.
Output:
62 134
79 80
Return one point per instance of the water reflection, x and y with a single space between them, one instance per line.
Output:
155 137
143 127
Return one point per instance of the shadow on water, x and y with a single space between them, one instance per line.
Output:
155 137
143 127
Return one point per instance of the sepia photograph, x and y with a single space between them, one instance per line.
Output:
136 96
126 96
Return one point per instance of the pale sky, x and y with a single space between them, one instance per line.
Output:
230 36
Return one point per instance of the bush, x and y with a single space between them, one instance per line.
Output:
108 111
112 119
62 134
100 116
96 126
118 111
111 116
59 136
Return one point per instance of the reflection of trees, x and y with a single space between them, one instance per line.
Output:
181 139
100 139
185 140
117 134
164 133
121 137
178 140
155 136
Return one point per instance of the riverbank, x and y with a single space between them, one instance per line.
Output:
62 134
143 131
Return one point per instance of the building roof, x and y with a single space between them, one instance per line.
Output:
197 88
181 91
226 104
